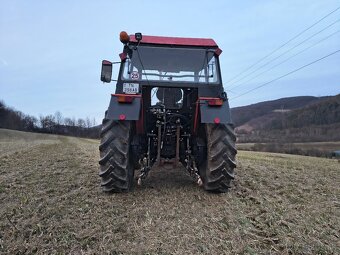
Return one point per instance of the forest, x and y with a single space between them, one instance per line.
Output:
52 123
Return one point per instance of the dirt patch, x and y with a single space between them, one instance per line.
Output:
51 203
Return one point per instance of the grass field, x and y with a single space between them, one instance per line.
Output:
51 203
323 149
323 146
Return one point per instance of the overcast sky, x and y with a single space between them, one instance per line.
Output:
51 51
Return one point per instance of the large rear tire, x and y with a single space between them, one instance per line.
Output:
217 169
116 166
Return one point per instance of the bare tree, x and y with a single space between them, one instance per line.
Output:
29 123
58 118
47 123
81 123
42 122
69 122
88 122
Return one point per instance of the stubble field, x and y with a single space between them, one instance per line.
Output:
51 203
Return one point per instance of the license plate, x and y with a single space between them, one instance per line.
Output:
130 88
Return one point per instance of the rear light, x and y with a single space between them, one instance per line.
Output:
122 117
125 99
217 120
138 36
215 102
212 101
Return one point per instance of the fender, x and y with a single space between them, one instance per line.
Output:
213 110
124 107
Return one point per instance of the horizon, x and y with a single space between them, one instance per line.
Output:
50 53
93 120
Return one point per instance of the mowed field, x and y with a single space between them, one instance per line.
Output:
321 146
51 203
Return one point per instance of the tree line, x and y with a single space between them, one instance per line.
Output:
52 123
325 112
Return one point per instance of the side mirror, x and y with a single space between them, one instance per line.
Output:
106 73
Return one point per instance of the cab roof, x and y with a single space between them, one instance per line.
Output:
182 41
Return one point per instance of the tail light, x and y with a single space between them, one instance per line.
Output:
215 102
125 98
212 101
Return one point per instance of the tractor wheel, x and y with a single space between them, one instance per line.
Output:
217 170
116 166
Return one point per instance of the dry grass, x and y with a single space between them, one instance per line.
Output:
319 149
51 204
245 146
12 141
322 146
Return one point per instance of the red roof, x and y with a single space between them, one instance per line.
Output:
205 42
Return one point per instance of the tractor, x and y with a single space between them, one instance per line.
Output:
169 107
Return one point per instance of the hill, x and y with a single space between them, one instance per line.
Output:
242 115
323 112
297 119
51 203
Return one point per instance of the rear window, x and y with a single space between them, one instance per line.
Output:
171 64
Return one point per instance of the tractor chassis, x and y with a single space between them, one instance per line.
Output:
189 161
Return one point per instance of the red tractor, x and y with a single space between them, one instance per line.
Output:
169 107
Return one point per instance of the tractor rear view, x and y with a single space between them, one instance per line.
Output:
169 108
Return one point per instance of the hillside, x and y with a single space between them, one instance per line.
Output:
297 119
244 114
324 112
51 203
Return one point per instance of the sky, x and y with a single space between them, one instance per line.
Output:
51 51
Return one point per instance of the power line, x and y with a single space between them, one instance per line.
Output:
282 76
284 53
284 61
294 37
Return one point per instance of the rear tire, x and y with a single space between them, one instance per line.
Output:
217 169
116 168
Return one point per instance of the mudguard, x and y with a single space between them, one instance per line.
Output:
215 114
124 111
